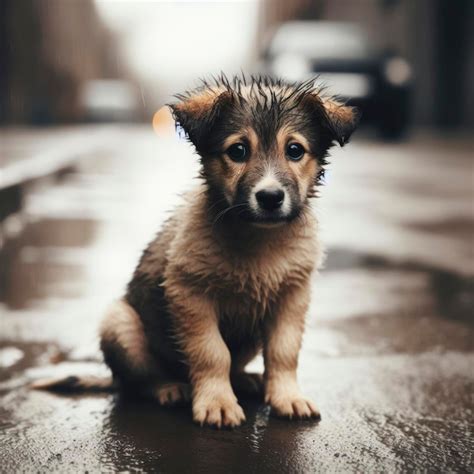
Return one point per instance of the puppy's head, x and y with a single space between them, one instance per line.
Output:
263 142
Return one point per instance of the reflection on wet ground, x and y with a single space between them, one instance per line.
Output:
43 255
388 353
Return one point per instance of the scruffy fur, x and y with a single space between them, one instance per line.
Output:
225 278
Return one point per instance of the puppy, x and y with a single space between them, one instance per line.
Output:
229 273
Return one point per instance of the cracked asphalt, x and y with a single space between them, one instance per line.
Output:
388 353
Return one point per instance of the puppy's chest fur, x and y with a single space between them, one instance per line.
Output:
243 273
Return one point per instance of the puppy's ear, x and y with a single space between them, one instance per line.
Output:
336 120
340 120
197 112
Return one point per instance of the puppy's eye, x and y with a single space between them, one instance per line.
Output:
295 151
237 152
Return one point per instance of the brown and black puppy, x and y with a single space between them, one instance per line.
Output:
229 273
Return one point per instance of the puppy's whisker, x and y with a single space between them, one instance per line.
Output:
221 214
216 203
225 211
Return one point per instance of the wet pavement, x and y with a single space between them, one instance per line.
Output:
389 348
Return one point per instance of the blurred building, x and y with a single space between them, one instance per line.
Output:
436 36
49 51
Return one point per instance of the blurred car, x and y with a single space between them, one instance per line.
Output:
377 81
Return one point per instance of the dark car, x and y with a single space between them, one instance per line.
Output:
377 81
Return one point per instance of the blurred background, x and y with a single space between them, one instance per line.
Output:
90 166
70 62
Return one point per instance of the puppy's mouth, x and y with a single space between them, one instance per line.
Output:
263 218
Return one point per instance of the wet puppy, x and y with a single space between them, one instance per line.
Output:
229 273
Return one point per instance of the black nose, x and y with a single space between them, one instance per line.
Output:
270 199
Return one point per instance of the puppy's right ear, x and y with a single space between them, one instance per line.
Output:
197 112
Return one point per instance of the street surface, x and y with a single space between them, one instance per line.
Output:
388 354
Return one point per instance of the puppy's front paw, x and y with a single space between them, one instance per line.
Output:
293 406
220 410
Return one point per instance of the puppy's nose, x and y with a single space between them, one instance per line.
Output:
270 199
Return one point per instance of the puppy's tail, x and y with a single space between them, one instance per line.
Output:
75 384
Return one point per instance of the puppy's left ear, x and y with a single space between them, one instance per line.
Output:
340 120
197 112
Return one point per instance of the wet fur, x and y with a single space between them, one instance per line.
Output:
213 289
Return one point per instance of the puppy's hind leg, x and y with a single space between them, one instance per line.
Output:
126 352
172 393
124 344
